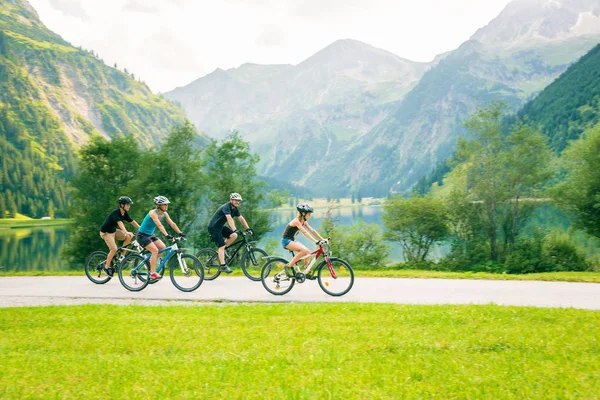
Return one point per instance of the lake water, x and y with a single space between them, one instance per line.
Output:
39 249
342 216
33 249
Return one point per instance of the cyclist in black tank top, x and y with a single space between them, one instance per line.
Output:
299 224
291 231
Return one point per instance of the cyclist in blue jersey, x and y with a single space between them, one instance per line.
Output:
113 229
146 237
224 235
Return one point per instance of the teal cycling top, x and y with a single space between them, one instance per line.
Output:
147 227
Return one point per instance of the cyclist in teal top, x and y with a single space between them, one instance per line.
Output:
145 235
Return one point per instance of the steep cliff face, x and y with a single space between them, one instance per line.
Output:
83 93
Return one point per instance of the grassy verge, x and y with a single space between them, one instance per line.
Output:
586 276
310 351
10 223
592 277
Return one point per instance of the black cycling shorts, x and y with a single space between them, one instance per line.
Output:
218 238
144 240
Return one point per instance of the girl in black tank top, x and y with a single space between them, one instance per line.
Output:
299 224
290 232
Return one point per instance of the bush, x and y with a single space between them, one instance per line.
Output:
526 258
561 254
466 256
361 245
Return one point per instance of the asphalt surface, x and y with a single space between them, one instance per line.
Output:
42 291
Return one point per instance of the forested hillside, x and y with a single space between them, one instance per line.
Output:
562 111
53 98
570 105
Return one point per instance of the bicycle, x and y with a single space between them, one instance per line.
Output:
186 272
94 264
252 258
335 276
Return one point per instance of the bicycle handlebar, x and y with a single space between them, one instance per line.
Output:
324 241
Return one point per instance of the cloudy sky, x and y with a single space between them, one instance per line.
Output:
169 43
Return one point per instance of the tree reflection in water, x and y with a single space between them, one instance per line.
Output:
33 249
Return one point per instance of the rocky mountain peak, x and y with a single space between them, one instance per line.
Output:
523 23
346 52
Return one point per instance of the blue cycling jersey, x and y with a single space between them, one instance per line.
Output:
147 227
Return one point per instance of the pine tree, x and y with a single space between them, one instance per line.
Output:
2 207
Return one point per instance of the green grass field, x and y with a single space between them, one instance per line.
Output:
310 351
9 223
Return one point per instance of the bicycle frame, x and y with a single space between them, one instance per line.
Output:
173 249
239 244
133 247
317 253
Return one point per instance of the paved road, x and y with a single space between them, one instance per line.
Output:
36 291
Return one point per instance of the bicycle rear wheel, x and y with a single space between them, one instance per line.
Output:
188 276
336 283
94 267
134 273
274 279
210 262
253 262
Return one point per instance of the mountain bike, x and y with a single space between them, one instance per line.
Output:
186 272
335 276
94 264
252 259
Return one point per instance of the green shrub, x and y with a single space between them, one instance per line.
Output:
561 253
526 258
361 244
465 256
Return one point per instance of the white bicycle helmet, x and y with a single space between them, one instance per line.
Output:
161 200
235 196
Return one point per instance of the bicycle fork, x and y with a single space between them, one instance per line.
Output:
330 266
184 268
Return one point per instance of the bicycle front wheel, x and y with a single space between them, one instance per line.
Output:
94 267
210 263
336 278
274 278
188 275
253 262
134 272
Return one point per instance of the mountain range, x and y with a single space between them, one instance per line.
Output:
353 118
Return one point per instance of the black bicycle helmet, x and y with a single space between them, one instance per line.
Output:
125 200
304 208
